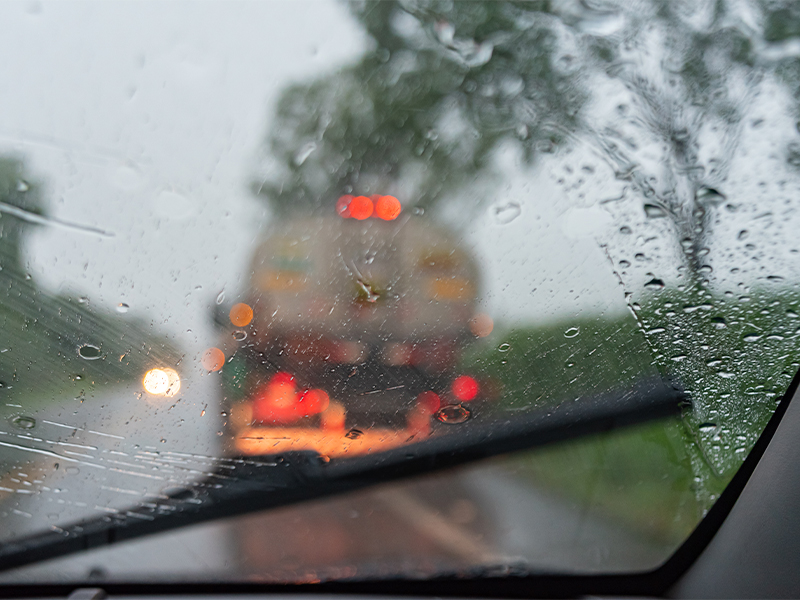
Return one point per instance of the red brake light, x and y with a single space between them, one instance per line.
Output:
387 208
464 388
361 208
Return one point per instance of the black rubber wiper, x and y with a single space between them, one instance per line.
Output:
269 482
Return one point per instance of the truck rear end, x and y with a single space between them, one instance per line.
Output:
357 325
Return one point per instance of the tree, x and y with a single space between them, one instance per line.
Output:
445 84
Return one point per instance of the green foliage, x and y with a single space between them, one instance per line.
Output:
735 356
420 114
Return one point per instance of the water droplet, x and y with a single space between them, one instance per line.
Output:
23 186
572 332
752 337
655 284
504 347
239 335
791 314
304 152
743 234
445 32
625 230
726 374
653 211
709 196
23 422
122 308
706 427
89 352
719 322
418 210
353 434
624 264
221 297
505 213
453 414
367 293
774 278
72 470
475 55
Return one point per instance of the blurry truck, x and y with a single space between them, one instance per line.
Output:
353 321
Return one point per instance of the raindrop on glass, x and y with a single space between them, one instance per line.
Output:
304 153
505 213
719 322
354 434
453 414
653 211
709 196
89 352
23 422
122 308
572 332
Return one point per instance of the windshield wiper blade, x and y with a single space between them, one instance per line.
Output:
274 481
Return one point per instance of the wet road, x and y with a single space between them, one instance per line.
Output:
88 462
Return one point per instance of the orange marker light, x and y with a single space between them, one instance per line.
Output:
464 388
361 208
312 402
213 359
387 208
343 206
241 314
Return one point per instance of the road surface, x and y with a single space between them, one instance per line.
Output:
115 449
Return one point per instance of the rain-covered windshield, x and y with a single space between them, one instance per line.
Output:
235 234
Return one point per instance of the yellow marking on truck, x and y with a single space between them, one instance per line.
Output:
282 281
456 288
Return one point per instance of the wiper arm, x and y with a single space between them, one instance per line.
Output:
276 481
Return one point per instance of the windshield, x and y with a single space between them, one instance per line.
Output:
249 251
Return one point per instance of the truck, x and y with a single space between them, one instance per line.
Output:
353 322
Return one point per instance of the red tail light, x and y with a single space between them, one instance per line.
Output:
429 402
464 388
